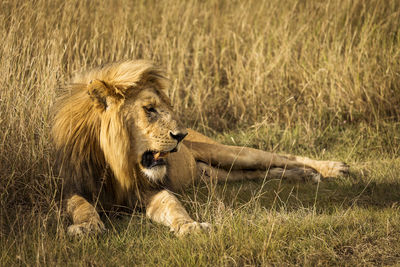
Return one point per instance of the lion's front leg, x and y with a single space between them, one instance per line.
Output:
163 207
84 216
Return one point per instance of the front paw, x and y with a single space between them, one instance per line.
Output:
334 169
192 227
86 228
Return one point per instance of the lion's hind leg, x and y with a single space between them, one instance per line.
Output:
210 173
244 158
84 216
325 167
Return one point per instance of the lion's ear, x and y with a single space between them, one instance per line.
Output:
102 94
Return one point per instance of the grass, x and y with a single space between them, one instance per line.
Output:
315 78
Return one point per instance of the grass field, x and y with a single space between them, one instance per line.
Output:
315 78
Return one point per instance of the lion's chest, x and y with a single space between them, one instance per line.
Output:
182 169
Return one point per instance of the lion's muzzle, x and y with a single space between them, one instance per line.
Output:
152 159
178 136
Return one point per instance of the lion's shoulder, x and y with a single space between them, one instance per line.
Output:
194 136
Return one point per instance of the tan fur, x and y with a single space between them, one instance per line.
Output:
80 116
84 215
110 118
165 208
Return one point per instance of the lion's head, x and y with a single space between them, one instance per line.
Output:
119 116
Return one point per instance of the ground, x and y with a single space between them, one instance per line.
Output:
347 220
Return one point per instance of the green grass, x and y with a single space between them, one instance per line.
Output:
345 221
314 78
249 235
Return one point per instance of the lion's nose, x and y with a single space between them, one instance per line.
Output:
178 136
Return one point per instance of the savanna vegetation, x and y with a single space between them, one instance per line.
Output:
315 78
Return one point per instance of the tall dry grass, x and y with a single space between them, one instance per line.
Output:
232 64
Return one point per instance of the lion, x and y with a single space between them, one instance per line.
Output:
120 144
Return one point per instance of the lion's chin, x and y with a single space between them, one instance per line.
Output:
153 164
156 173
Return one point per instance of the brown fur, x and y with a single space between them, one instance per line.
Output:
109 118
80 124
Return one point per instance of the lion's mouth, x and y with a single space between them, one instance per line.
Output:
151 159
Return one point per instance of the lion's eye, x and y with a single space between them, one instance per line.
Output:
150 109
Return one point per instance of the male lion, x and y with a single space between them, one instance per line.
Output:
120 144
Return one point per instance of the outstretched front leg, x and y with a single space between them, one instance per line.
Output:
163 207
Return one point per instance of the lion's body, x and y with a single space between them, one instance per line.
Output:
119 144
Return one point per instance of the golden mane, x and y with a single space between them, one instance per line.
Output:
85 136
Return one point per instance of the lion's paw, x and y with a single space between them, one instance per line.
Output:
86 228
193 227
333 169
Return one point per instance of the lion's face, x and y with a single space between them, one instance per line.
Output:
119 117
154 129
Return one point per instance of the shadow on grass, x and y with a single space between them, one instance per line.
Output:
327 196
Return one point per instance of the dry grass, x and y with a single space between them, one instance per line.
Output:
320 78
